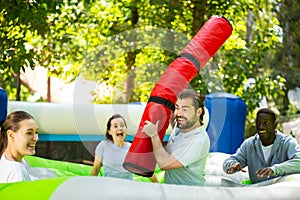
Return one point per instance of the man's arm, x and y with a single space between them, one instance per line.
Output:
236 161
291 166
164 160
232 167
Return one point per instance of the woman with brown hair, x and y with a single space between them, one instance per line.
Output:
19 135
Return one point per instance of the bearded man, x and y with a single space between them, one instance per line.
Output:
184 157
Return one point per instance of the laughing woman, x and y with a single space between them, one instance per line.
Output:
111 152
19 135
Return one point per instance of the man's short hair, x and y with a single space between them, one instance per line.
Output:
267 111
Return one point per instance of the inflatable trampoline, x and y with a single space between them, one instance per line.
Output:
66 180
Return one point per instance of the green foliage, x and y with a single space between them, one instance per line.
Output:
125 46
244 62
11 86
20 21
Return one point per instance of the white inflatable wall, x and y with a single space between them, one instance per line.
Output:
113 188
82 119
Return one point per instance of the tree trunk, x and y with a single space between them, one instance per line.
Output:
249 28
18 79
48 89
198 15
130 58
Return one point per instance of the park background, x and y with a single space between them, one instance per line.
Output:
113 52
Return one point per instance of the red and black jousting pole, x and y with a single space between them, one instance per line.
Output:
140 158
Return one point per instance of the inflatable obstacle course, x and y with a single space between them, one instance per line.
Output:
72 181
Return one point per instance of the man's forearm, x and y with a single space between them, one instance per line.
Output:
164 160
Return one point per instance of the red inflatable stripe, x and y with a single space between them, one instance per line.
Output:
140 159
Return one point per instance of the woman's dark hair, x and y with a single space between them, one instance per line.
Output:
12 122
115 116
198 100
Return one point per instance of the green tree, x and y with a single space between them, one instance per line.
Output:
246 55
286 61
127 45
20 21
43 33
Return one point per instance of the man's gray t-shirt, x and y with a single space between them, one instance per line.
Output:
192 150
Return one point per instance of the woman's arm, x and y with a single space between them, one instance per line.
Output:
96 166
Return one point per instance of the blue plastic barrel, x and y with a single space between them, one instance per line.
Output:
227 117
3 105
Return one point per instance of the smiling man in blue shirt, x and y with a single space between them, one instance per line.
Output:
268 154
